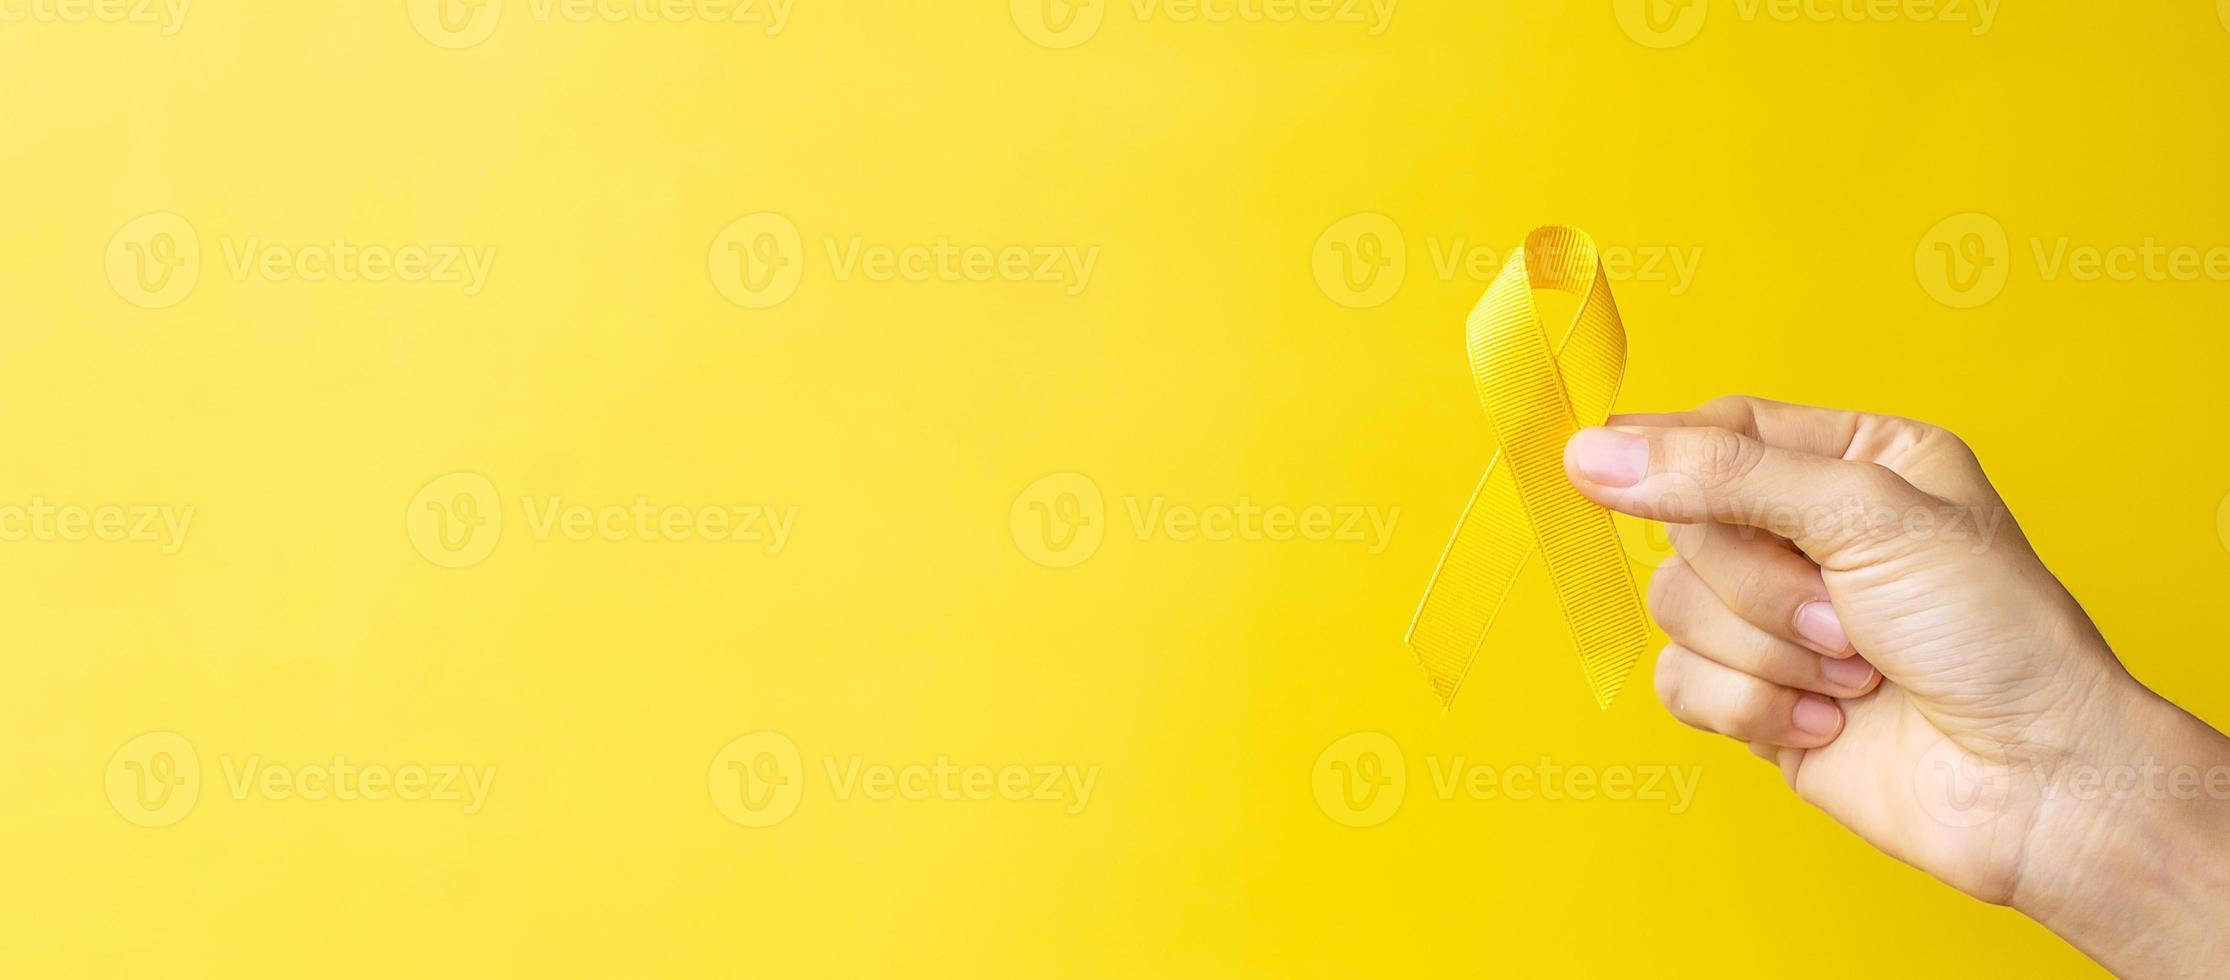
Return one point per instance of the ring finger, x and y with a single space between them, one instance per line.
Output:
1717 698
1694 616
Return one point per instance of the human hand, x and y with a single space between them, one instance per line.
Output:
1852 599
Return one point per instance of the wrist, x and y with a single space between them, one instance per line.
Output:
2126 859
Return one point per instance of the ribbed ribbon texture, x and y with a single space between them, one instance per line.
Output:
1537 391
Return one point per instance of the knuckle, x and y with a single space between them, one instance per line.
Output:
1764 649
1670 669
1733 406
1877 482
1756 591
1946 444
1942 439
1717 457
1757 706
1666 589
1913 442
1906 434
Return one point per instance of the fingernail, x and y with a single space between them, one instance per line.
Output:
1610 457
1816 715
1851 672
1817 622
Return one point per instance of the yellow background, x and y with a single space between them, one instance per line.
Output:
904 621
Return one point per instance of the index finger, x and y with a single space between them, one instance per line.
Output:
1927 456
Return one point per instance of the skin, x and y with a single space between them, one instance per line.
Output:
1851 599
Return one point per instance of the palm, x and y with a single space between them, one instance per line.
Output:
1906 786
1931 777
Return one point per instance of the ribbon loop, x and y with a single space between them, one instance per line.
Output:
1536 395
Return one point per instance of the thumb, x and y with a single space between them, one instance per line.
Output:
1841 513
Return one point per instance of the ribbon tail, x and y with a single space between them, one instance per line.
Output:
1482 561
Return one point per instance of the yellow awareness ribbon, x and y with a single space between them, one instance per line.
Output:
1536 396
